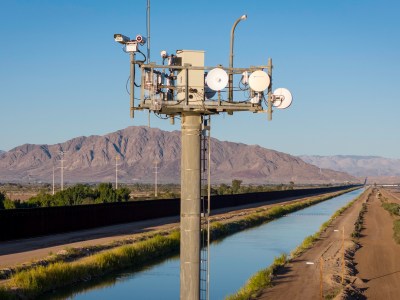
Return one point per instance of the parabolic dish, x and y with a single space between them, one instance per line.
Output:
284 98
217 79
209 92
259 81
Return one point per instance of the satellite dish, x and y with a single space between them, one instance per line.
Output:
283 98
209 92
259 81
217 79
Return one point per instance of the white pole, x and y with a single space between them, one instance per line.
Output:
116 172
53 179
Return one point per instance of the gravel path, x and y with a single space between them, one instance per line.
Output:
301 278
378 259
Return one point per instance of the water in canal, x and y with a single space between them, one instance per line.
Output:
233 260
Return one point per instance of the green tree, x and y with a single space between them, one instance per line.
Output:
236 185
2 199
291 185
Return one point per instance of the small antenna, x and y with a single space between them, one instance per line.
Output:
148 31
282 98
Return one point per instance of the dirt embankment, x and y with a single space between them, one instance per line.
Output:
372 262
318 271
377 260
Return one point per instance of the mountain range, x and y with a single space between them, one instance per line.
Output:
377 169
137 148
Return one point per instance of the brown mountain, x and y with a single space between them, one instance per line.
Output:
93 158
377 169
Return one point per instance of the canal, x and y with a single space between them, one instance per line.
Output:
233 260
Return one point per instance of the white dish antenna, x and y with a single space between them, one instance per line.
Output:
282 98
217 79
209 92
259 81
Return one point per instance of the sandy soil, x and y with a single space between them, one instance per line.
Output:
26 250
378 259
301 278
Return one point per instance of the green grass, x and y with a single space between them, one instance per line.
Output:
5 294
396 231
393 208
39 279
44 278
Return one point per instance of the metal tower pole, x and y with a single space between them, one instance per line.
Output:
53 179
190 207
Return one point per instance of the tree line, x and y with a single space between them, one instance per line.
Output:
76 195
80 194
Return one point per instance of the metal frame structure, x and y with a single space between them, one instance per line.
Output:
159 103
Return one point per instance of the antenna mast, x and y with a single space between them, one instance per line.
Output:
184 87
148 30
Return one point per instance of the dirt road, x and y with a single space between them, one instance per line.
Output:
378 260
300 279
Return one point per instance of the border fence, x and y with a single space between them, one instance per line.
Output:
31 222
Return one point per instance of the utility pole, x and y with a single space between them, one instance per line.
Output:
116 171
62 168
155 178
53 179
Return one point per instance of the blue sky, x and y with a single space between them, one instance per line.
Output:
62 75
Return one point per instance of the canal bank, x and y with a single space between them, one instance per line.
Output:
317 273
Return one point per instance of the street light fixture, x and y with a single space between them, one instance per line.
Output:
230 96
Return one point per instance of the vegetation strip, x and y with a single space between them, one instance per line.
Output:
263 278
30 283
358 225
394 210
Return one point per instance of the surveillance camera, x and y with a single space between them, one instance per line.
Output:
164 54
120 38
140 39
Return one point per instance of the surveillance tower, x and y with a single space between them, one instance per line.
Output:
183 87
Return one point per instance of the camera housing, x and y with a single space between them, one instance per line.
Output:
122 39
141 39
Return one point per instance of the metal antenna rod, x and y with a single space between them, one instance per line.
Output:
148 31
230 94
